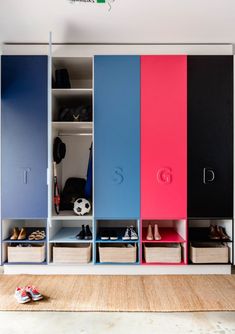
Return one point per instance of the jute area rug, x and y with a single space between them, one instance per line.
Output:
123 293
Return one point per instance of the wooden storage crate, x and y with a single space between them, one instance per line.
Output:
209 252
72 253
34 253
162 252
117 253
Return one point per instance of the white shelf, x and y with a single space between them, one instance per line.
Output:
69 215
71 92
75 127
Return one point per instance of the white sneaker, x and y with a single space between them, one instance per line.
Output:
126 234
21 295
133 234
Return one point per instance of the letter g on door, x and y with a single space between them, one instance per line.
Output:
164 175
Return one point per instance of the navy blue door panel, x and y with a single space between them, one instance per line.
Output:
24 137
117 136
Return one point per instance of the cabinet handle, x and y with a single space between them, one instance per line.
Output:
208 175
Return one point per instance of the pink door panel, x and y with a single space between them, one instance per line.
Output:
163 137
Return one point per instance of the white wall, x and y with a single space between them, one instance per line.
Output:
129 21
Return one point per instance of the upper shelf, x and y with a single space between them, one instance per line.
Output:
76 127
70 215
71 92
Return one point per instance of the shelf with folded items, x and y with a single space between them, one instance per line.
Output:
79 72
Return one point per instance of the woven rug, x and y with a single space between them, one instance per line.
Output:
123 293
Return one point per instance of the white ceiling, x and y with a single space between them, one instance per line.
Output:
129 21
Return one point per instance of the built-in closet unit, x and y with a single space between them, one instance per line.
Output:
161 142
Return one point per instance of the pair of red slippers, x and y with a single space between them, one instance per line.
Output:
26 294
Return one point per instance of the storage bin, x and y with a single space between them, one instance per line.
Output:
209 252
72 253
34 253
162 252
117 253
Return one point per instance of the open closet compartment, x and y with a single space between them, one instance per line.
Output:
72 123
24 241
164 242
210 241
71 241
117 241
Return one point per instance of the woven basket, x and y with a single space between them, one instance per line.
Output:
117 253
72 253
162 253
34 253
209 252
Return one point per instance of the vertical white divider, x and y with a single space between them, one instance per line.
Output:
233 261
0 158
49 146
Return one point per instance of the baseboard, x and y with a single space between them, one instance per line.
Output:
118 270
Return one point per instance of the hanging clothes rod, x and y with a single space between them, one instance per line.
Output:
74 134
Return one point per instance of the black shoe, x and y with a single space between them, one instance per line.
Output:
113 234
88 234
81 234
104 234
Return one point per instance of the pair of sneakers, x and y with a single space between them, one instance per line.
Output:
26 294
130 234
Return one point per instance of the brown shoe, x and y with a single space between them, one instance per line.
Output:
214 234
222 232
22 234
156 233
150 233
15 234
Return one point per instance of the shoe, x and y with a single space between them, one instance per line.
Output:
81 234
223 235
113 234
213 232
15 234
21 295
156 233
33 293
104 234
126 235
88 234
149 233
133 234
37 235
22 235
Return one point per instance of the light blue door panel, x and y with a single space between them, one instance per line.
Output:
117 136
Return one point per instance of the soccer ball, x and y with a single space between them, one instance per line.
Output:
81 206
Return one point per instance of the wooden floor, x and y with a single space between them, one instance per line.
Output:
123 293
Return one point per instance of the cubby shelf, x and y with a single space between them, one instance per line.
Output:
29 230
76 127
68 235
167 234
117 263
70 215
25 241
71 92
182 263
200 234
24 263
119 240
